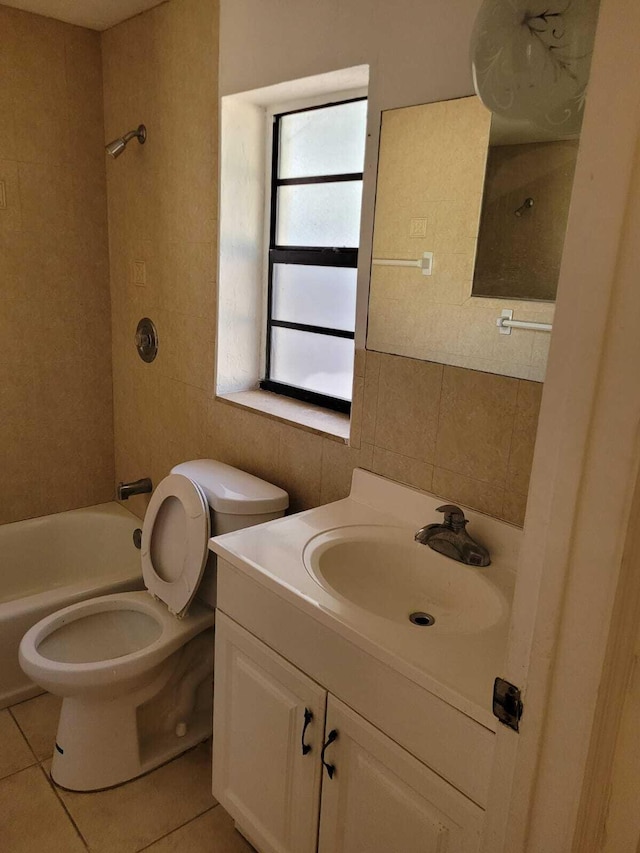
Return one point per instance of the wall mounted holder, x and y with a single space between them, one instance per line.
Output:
505 323
425 263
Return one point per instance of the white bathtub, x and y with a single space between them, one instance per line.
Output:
47 563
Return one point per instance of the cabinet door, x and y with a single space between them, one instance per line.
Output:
381 799
261 775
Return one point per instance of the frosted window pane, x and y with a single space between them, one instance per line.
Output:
319 214
316 362
328 141
317 296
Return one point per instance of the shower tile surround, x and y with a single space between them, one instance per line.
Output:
56 421
463 434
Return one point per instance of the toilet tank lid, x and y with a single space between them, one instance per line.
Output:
233 491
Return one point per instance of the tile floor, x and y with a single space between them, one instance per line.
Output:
170 810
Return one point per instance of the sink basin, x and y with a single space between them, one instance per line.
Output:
382 570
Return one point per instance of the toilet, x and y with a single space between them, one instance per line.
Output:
135 669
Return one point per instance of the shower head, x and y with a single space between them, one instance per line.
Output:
115 148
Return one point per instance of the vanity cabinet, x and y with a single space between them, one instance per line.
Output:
261 774
382 799
370 795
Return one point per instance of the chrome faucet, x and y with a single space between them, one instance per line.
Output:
138 487
451 538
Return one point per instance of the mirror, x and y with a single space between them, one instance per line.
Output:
470 218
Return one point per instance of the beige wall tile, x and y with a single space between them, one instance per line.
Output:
370 398
181 419
187 343
403 469
245 439
357 411
524 436
455 487
338 462
10 208
187 279
36 49
160 68
56 433
407 409
476 424
83 72
46 193
7 125
514 508
300 467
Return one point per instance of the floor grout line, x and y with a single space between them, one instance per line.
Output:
26 739
53 787
40 763
15 772
175 829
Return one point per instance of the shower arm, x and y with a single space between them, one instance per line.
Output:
140 132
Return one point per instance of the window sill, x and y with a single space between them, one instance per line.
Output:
333 425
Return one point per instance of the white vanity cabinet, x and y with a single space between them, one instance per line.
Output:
382 799
378 798
261 774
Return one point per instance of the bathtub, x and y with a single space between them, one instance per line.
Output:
49 562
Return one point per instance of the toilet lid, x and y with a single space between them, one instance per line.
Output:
175 538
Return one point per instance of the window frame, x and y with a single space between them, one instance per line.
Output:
331 256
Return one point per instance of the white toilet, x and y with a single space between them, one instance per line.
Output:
135 668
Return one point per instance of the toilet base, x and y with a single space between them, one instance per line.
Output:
75 776
103 743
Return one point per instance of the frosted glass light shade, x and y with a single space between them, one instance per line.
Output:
316 296
326 141
319 363
531 60
326 214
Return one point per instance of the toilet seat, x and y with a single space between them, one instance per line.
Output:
175 539
101 673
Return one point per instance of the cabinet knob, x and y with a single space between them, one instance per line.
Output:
308 716
331 737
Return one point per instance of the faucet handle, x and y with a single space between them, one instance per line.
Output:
453 516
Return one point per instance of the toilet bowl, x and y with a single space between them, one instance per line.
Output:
135 669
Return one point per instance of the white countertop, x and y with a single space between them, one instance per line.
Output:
457 667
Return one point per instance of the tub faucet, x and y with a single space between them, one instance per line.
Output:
451 538
138 487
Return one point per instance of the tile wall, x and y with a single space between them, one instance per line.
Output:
160 69
56 422
463 434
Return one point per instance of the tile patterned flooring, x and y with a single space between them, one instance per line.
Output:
170 810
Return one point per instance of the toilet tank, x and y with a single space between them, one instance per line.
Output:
236 500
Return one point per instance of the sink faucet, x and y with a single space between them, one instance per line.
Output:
451 538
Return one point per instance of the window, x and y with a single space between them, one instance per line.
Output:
316 192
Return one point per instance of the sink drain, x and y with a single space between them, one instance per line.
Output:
422 619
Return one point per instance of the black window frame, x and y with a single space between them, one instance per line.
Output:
330 256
